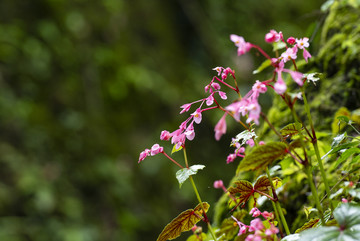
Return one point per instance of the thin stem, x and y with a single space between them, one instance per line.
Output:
199 199
316 148
172 160
314 192
276 201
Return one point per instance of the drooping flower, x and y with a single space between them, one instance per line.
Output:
291 40
218 184
210 100
143 155
243 47
258 88
280 87
156 149
189 132
165 135
272 36
220 127
222 95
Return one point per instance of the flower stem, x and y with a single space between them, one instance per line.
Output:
277 204
316 148
199 199
314 192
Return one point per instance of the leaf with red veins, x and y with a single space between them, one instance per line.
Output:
242 188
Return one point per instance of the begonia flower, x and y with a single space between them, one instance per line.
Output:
197 116
143 155
220 127
272 36
165 135
156 149
243 47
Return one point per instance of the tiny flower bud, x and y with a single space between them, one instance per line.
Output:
291 40
156 149
218 184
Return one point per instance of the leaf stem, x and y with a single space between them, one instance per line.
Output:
199 199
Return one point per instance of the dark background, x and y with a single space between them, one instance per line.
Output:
85 86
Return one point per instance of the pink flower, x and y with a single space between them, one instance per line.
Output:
343 200
218 70
165 135
216 86
190 133
306 55
255 212
243 47
143 155
261 143
230 158
250 142
156 149
210 100
280 87
289 54
272 36
268 215
185 108
258 88
256 224
222 95
272 230
291 40
220 127
302 43
297 77
254 112
197 116
218 184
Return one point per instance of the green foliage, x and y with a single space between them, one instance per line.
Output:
183 174
262 156
184 222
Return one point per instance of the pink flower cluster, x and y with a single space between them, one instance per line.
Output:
290 54
256 228
155 149
249 104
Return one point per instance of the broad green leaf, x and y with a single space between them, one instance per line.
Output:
347 215
184 222
343 118
338 139
244 136
263 184
341 147
263 66
183 174
355 193
174 149
348 218
262 156
291 129
242 188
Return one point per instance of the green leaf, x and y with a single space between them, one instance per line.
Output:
263 184
263 66
183 174
347 215
291 129
338 139
174 149
348 218
312 223
228 228
291 237
184 222
242 188
343 118
262 156
346 154
355 193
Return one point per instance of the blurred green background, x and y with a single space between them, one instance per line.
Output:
85 86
